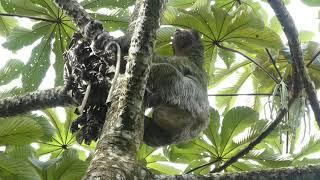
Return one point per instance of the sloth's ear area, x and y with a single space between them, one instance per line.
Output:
195 33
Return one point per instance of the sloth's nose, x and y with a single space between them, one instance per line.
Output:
178 30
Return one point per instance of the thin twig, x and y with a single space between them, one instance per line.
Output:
29 17
274 63
250 59
313 59
249 94
202 166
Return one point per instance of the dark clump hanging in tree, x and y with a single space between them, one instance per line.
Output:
86 72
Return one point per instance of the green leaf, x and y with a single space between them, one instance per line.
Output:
59 126
275 25
21 37
51 9
181 3
311 2
263 38
163 43
164 168
222 74
240 28
16 169
305 36
52 148
199 167
239 80
144 152
54 26
228 57
59 46
186 19
42 167
212 131
48 130
63 138
97 4
23 7
6 24
37 66
68 166
10 71
11 92
70 117
269 158
312 146
22 152
115 19
195 150
19 130
306 162
234 122
243 166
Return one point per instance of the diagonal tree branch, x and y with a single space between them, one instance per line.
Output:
73 9
33 101
291 32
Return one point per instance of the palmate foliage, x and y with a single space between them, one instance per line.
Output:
241 27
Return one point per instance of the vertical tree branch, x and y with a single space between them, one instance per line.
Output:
291 32
115 156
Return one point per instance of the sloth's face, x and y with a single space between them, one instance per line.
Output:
184 40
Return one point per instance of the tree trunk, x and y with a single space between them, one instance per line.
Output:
115 155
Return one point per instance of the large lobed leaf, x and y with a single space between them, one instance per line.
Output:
11 168
24 129
10 71
50 25
24 7
68 166
239 126
6 23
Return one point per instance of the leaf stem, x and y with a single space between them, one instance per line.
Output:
29 17
250 59
274 63
249 94
313 59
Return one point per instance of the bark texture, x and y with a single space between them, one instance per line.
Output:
291 32
73 9
115 156
291 173
33 101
